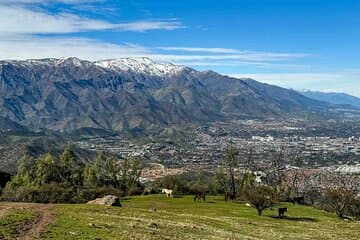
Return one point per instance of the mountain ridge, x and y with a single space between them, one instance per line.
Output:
333 97
134 93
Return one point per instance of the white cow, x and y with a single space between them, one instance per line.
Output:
168 192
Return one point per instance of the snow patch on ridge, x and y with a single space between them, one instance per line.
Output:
142 65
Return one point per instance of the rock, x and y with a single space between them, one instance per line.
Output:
109 200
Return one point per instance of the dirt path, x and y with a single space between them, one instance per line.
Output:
34 229
5 210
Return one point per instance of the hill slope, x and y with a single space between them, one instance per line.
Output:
156 217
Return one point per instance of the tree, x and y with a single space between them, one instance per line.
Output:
230 161
46 170
220 181
90 176
261 197
130 171
248 177
70 169
275 176
100 169
339 200
354 208
25 174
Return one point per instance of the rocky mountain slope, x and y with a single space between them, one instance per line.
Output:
133 93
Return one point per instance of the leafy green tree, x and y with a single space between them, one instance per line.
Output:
90 176
130 171
70 169
46 170
18 187
112 170
100 169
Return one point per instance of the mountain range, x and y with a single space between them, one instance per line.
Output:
134 94
333 97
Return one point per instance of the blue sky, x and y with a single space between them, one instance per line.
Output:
296 44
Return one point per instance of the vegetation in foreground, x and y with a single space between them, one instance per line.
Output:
12 223
158 217
66 180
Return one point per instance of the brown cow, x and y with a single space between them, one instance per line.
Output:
229 196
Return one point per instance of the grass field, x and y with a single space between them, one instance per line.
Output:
156 217
11 223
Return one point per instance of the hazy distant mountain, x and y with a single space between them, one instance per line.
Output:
133 94
333 97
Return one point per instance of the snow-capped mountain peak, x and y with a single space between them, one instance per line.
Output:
141 65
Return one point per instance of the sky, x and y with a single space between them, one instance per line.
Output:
298 44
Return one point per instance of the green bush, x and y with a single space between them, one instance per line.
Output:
66 180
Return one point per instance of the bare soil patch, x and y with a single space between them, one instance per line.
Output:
32 229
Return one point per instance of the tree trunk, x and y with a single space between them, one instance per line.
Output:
232 179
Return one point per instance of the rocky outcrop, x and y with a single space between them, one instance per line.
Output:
109 200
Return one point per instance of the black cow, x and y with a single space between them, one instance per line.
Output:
299 200
199 196
282 212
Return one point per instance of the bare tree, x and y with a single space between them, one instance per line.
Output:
261 197
339 200
249 167
230 161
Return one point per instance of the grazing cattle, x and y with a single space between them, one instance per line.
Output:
298 200
282 212
229 196
199 196
168 192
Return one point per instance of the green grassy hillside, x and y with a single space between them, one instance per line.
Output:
156 217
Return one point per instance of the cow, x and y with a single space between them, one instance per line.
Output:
199 196
168 192
229 196
299 200
282 212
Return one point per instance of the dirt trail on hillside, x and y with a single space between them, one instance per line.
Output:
34 229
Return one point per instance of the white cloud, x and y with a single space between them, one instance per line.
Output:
21 20
250 56
25 47
48 1
208 50
230 53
